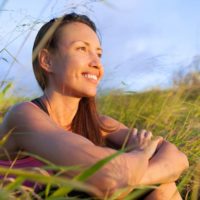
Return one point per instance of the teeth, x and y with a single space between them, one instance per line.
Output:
91 76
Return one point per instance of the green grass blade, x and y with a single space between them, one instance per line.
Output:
87 173
15 184
39 178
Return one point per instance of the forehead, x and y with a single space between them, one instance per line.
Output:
77 31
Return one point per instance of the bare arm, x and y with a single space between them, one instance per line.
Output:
35 132
165 166
119 136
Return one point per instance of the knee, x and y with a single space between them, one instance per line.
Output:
166 191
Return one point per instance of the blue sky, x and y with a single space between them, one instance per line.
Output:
145 42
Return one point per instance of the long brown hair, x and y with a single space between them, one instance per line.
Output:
87 121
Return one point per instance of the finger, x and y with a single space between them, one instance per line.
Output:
132 136
148 135
134 132
161 142
152 146
159 139
142 136
146 139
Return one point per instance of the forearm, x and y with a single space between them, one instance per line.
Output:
134 166
125 170
166 165
118 139
137 165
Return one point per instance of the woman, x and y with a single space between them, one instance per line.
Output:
64 127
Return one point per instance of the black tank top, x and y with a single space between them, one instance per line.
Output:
40 104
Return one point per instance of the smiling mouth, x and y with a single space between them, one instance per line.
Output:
91 77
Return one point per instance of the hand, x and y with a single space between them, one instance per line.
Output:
139 158
138 140
152 146
149 147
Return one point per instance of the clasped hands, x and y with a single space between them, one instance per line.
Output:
158 151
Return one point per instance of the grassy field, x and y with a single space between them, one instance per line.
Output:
174 114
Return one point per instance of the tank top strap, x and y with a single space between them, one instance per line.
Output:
40 104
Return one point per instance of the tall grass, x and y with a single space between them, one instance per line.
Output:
174 114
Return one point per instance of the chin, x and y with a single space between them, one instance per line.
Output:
90 94
82 94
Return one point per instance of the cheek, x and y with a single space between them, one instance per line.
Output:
101 72
62 66
74 61
70 70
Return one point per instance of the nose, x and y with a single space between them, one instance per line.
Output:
95 61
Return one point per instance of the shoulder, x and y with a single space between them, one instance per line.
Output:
17 111
21 110
25 114
16 116
24 108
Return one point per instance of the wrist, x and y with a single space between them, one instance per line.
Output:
137 164
140 153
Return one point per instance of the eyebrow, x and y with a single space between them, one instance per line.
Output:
86 43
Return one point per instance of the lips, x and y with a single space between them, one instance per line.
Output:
91 76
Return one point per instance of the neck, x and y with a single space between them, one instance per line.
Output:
62 109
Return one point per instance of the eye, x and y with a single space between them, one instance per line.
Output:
99 55
82 48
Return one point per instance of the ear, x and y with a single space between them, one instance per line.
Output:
44 59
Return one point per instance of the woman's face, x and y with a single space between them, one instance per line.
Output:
76 62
